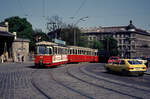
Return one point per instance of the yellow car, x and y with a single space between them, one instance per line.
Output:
127 66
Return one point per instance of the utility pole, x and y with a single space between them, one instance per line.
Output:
81 19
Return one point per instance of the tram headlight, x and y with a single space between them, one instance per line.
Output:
41 62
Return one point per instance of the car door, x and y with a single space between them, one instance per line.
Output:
115 66
122 66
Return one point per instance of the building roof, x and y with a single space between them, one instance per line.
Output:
2 24
118 29
6 34
22 40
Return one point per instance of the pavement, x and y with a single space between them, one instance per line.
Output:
17 62
148 71
32 62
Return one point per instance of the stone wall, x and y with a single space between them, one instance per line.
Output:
20 50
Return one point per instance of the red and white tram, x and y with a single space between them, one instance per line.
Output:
51 54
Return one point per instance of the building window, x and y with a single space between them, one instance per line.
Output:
120 42
90 38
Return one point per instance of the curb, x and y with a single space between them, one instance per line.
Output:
148 71
28 62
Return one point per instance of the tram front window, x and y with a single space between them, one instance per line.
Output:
44 50
41 50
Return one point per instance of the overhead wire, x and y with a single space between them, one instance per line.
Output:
78 10
43 8
24 13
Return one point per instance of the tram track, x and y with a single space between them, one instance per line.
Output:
52 88
20 84
82 70
95 92
37 87
65 82
70 88
106 81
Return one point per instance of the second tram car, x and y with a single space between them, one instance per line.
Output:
51 54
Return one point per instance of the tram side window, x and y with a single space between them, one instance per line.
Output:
76 51
66 51
95 53
55 50
59 50
82 52
89 53
49 51
70 51
85 52
73 51
63 51
79 52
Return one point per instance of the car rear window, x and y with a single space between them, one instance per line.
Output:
134 62
115 58
122 62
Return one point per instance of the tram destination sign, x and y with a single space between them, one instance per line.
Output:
59 41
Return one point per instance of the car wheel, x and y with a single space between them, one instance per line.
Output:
124 72
141 74
108 70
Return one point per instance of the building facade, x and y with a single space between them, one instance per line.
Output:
6 39
12 49
20 49
132 41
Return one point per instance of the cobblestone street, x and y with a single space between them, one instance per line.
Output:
71 81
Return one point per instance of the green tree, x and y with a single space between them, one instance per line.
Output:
110 45
41 35
97 45
23 29
83 41
67 34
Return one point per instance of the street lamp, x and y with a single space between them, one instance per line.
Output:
81 19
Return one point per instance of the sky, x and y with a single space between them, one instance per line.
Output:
100 12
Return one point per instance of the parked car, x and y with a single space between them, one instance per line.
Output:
142 59
148 62
127 66
113 59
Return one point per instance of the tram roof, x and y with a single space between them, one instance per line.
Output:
46 43
82 48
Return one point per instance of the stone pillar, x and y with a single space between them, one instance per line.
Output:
15 34
7 28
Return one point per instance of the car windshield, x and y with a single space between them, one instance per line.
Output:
134 62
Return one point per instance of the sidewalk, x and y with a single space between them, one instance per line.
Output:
148 71
18 62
